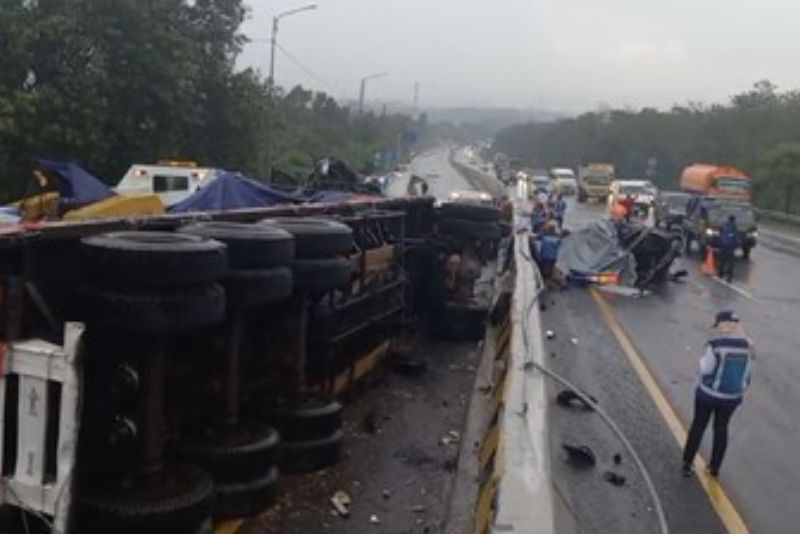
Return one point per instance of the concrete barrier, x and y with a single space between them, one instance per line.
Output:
478 179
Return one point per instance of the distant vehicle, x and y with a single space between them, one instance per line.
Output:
172 181
642 194
706 217
564 181
716 181
471 197
541 183
670 208
594 180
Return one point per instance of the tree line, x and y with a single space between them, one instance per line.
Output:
757 130
108 83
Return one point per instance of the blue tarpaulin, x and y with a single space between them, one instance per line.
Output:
232 190
77 186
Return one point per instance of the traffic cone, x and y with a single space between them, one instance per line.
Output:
709 269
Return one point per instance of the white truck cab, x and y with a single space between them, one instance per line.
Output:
172 181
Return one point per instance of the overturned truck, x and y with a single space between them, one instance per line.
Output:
160 373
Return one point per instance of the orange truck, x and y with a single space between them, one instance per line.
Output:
717 181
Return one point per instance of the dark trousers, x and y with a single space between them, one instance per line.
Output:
704 407
726 261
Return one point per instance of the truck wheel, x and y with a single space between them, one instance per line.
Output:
307 416
231 454
469 212
245 499
127 260
315 238
312 455
181 502
250 246
318 276
163 312
250 288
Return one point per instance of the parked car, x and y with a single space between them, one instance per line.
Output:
706 217
670 208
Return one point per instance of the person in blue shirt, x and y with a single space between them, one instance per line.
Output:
729 241
549 242
538 217
726 369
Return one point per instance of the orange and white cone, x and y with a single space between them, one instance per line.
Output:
708 268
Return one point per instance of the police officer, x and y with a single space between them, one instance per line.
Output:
725 372
728 243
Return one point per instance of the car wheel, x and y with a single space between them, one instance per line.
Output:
231 454
305 416
166 311
312 455
250 288
152 259
315 237
245 499
181 501
250 246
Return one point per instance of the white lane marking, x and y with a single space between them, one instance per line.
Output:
732 287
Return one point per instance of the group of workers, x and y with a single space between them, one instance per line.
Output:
547 225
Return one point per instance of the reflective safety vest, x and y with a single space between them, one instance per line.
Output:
732 369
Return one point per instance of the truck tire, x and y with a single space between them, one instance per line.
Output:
307 416
248 498
126 260
162 312
231 454
250 288
312 455
182 503
250 246
315 238
470 212
474 230
318 276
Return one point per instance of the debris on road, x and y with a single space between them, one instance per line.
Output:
614 478
409 366
452 437
341 502
569 398
418 508
373 519
579 455
550 334
617 458
574 340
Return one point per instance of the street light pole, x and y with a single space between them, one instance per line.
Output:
363 89
274 37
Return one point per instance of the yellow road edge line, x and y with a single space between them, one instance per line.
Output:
725 509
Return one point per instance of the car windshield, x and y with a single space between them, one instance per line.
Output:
594 179
677 201
733 184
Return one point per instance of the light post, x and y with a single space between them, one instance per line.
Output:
362 91
274 38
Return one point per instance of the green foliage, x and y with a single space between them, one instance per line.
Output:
778 186
743 133
111 82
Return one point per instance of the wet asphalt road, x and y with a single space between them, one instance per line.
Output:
434 167
669 328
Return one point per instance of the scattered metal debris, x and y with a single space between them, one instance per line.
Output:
580 455
569 398
614 478
574 340
341 502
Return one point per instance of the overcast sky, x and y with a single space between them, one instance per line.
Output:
566 55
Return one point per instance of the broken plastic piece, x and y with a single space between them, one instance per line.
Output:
341 501
579 454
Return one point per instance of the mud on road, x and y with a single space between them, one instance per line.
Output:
400 453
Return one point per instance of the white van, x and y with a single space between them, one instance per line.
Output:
564 181
171 181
